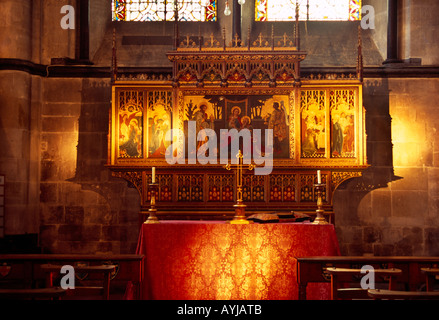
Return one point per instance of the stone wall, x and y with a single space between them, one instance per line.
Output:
418 25
83 209
393 208
19 107
18 160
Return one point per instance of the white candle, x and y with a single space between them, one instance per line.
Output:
153 174
319 177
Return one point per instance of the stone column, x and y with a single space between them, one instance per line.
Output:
15 29
392 32
18 159
82 33
236 12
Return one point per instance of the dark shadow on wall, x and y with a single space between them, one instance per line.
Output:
349 194
120 214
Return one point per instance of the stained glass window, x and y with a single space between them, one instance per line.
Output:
163 10
284 10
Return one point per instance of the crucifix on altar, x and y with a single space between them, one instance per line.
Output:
239 217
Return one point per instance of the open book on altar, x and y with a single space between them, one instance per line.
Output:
274 217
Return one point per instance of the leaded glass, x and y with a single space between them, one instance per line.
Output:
162 10
284 10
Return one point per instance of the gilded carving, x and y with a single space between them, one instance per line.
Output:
317 123
133 177
337 177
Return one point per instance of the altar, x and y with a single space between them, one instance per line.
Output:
215 260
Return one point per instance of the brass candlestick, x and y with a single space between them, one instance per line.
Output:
154 187
239 217
320 219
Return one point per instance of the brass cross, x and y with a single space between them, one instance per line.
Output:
239 217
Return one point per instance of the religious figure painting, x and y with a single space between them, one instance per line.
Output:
342 108
130 132
278 122
159 122
240 112
313 128
144 117
200 112
235 111
343 135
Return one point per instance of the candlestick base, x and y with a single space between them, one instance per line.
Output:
239 217
320 219
152 217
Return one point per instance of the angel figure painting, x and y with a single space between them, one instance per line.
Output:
313 131
131 133
159 122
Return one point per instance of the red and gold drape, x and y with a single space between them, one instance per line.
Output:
200 260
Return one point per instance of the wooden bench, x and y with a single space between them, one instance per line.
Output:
32 294
314 269
24 269
103 290
343 275
430 274
378 294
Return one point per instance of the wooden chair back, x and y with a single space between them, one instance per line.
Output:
341 276
378 294
431 274
105 270
32 294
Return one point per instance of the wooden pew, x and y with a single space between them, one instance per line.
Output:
104 270
343 275
32 294
314 269
23 271
378 294
430 274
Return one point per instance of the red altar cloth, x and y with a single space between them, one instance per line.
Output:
207 260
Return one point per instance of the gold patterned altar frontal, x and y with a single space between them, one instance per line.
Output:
212 260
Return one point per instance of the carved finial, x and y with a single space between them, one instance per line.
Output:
284 40
360 56
114 58
272 37
224 38
176 29
248 37
297 30
236 41
199 38
212 40
259 41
